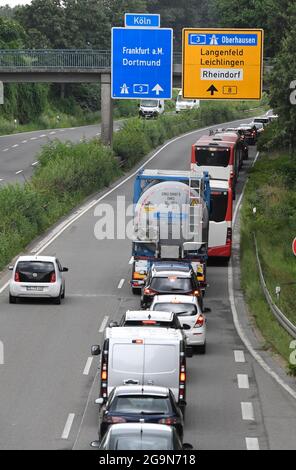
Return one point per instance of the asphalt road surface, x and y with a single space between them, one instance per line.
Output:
48 381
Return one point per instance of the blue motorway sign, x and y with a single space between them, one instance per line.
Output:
142 63
141 20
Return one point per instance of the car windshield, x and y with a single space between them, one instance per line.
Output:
35 271
219 204
171 284
135 404
181 309
149 103
212 156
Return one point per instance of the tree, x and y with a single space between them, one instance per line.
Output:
283 75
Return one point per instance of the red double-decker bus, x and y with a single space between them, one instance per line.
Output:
220 155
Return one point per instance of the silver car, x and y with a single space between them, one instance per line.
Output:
37 276
189 313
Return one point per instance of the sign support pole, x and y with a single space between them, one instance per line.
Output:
106 109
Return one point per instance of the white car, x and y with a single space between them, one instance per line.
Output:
189 312
37 276
183 105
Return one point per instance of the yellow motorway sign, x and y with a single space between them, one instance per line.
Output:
223 64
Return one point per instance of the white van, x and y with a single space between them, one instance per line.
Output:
144 356
152 108
183 105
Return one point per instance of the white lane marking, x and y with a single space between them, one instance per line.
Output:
33 138
57 232
120 285
243 381
68 426
24 141
15 146
18 172
87 366
52 133
5 150
73 128
247 411
131 260
35 163
103 324
238 326
239 356
42 135
98 133
252 443
61 130
1 179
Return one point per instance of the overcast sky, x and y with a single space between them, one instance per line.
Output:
13 3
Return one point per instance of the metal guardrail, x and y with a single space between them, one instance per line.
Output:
283 320
22 59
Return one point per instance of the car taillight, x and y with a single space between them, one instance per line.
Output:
229 235
53 277
114 419
104 373
17 277
199 322
196 293
168 421
182 378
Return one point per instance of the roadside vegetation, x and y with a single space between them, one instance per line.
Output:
271 189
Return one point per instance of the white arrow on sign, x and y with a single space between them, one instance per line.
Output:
157 89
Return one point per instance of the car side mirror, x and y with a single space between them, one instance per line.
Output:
189 351
99 401
95 444
207 310
10 268
185 327
113 324
187 446
65 270
95 350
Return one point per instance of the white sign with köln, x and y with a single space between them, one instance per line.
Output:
221 74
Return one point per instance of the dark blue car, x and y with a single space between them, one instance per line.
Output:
141 404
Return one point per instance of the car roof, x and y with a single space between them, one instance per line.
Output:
37 258
175 298
131 333
135 315
141 390
123 428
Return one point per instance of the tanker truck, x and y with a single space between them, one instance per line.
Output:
171 221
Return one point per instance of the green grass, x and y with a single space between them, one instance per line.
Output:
271 189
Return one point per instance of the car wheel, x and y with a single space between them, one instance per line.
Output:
202 349
136 291
64 293
12 299
183 408
57 300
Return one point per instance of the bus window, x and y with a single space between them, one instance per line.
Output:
212 156
219 204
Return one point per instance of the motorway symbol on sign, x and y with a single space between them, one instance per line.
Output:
140 20
142 62
230 60
294 246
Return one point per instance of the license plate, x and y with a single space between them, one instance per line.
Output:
33 288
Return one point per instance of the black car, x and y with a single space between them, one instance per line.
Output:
141 437
249 132
144 404
170 278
